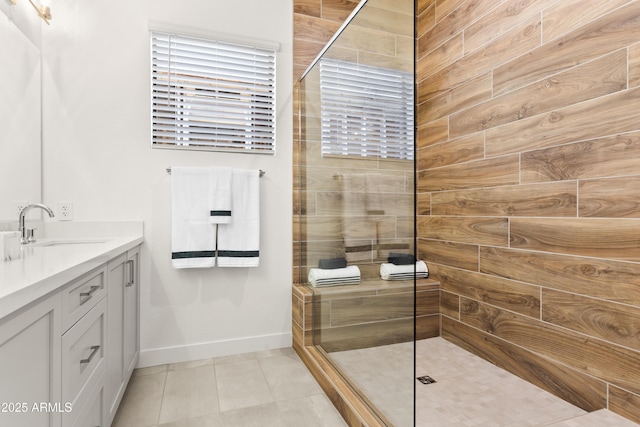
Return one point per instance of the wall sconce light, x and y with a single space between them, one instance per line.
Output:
43 11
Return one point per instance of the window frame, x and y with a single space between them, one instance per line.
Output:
377 122
207 122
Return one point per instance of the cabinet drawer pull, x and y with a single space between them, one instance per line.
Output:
94 350
131 280
87 295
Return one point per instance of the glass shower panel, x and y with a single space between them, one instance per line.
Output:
356 204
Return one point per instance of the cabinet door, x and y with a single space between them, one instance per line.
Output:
123 326
116 279
132 312
30 348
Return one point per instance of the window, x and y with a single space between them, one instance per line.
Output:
209 94
366 111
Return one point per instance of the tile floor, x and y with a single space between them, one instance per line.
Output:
265 389
274 389
468 391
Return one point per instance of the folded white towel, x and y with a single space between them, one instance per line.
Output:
336 276
390 271
192 234
239 241
220 195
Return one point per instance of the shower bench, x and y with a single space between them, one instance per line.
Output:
372 313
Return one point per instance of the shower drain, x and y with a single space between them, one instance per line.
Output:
426 379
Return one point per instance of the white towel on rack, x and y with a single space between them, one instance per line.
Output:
349 275
390 271
220 195
193 237
239 241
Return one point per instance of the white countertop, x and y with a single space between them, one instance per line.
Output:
42 269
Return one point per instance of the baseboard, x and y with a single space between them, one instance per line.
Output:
185 353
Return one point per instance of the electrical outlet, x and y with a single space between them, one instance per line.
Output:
65 211
19 205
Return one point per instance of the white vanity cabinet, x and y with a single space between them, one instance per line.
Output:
123 330
66 359
30 365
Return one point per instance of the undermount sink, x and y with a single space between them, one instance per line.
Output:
65 242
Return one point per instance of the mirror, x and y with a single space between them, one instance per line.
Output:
20 108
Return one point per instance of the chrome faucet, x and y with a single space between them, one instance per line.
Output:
26 234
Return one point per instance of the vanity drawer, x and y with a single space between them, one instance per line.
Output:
83 352
79 296
91 414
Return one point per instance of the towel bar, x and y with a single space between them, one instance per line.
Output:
261 172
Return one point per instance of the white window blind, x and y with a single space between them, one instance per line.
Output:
208 94
366 111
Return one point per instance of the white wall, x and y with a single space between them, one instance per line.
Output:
20 31
97 154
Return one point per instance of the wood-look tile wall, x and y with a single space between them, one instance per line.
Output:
314 23
529 188
358 208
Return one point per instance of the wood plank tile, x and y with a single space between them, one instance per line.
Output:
427 327
569 384
624 403
603 157
307 7
312 29
426 16
500 20
322 228
386 20
427 302
450 304
611 198
507 294
337 10
443 56
616 30
432 133
405 7
600 238
423 5
634 65
468 94
454 151
599 278
618 323
470 230
394 62
366 39
603 360
451 19
481 173
556 199
599 77
596 118
376 308
305 52
424 204
365 335
569 15
448 253
388 203
445 7
512 44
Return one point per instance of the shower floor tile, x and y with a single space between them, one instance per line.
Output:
468 391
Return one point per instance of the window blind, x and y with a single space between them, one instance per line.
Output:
208 94
366 111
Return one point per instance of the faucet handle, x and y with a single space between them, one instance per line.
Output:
30 235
